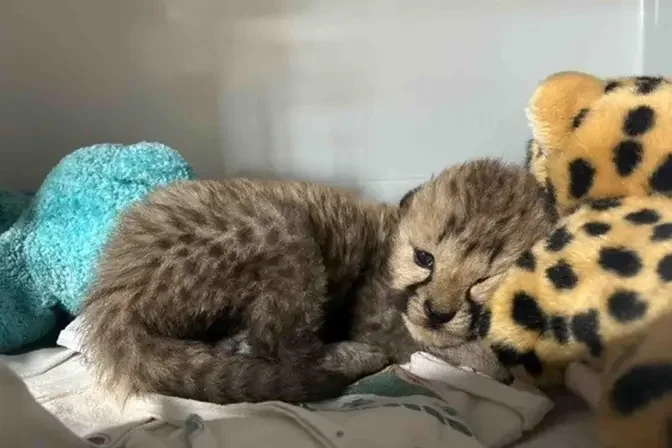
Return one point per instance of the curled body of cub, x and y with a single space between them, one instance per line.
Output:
242 290
459 233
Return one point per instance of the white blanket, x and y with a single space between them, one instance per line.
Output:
425 403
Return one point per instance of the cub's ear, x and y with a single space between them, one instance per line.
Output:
406 199
530 153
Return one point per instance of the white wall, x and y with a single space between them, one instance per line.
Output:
375 93
657 26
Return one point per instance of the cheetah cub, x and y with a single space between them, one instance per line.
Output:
458 235
243 291
248 290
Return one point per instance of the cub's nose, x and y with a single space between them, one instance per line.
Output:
437 318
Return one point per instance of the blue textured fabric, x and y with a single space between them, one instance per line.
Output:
12 204
48 255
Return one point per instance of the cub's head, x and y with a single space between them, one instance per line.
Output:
458 234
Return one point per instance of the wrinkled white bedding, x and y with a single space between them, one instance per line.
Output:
426 403
569 424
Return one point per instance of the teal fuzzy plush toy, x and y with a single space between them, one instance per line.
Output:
50 242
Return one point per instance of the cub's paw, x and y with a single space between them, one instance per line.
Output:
354 359
515 328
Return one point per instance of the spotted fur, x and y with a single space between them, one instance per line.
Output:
597 288
242 290
636 408
535 161
600 276
458 235
248 290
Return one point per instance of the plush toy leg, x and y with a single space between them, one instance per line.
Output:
636 405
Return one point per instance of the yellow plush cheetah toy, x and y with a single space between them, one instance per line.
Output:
598 290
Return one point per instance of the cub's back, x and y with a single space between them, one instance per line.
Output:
198 262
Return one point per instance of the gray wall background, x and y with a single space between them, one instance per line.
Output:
371 93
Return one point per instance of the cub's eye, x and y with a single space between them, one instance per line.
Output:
424 259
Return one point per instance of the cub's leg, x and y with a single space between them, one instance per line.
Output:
353 359
287 317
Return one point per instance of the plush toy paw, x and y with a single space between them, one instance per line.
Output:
631 396
635 407
584 293
48 255
597 290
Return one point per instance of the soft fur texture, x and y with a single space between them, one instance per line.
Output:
473 220
598 288
242 291
250 290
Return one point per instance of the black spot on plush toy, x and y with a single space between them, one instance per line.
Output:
598 290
